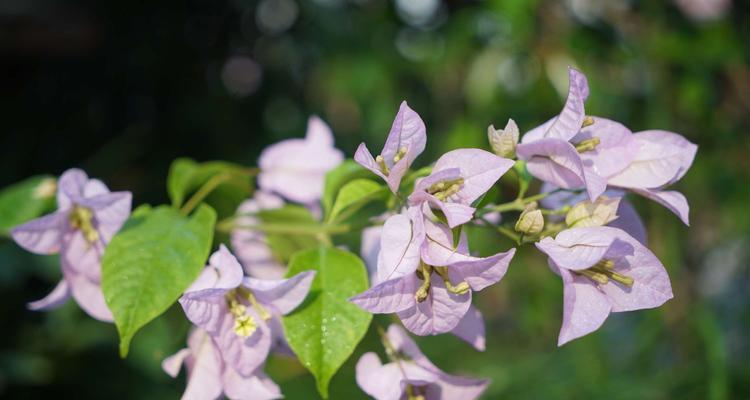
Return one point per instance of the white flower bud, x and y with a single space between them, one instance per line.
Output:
531 221
601 212
504 141
46 188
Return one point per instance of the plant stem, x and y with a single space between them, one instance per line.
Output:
517 204
509 233
295 229
203 192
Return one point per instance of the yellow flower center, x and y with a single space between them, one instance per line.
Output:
445 189
245 324
603 271
80 218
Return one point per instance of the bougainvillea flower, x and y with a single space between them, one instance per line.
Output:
547 149
241 314
296 168
409 374
458 179
406 140
87 218
572 150
431 292
250 245
662 159
208 376
570 120
615 149
627 217
603 270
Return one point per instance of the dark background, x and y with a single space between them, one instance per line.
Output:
120 88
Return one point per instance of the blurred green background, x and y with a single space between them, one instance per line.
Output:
120 88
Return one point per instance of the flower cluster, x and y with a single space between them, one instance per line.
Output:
88 216
421 276
420 264
239 316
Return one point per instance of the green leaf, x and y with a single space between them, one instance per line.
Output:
337 178
151 261
179 178
324 331
353 196
26 200
283 240
187 176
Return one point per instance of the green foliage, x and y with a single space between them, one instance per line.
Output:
353 196
337 178
288 229
25 200
151 261
233 183
325 330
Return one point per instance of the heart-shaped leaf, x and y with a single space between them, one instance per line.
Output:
325 330
150 262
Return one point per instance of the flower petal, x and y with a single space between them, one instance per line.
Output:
80 263
364 157
688 149
387 297
250 246
204 368
663 158
439 313
222 273
456 387
382 382
455 213
569 122
651 287
585 308
408 131
481 272
480 170
255 387
400 241
111 210
674 201
94 187
404 344
70 187
59 295
42 235
557 162
471 329
629 221
438 249
205 309
244 354
172 364
88 294
370 249
296 168
318 133
436 177
577 248
283 295
616 150
538 132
